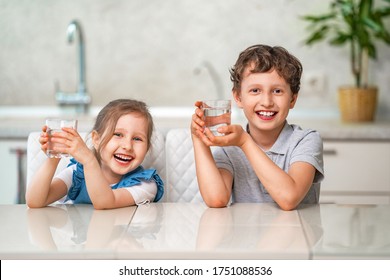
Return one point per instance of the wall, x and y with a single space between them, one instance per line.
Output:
151 50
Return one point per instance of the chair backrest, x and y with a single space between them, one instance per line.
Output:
155 158
35 156
181 184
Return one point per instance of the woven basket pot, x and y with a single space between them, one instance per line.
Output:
358 104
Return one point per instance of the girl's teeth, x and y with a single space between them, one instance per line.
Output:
121 157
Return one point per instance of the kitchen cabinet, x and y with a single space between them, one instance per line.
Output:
12 171
356 172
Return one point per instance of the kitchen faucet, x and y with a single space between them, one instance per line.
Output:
80 98
214 77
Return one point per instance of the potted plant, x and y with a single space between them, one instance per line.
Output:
359 24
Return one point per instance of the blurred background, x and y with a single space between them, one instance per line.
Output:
170 53
165 52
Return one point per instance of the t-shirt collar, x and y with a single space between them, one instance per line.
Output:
280 146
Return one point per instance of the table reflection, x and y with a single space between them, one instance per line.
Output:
261 226
69 227
354 231
194 231
144 227
183 230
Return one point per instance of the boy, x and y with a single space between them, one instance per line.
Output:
272 161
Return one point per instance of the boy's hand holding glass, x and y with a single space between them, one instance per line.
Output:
233 135
216 113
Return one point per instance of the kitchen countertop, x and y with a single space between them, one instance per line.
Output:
333 129
15 125
194 231
329 129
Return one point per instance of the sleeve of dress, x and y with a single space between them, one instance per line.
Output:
142 175
144 192
66 175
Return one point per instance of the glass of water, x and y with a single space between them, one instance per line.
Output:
53 126
217 113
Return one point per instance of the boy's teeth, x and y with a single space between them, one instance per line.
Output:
267 114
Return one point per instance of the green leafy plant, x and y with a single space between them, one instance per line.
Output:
356 23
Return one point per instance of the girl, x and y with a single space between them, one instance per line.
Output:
110 174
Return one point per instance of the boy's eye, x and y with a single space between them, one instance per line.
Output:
255 91
137 139
277 91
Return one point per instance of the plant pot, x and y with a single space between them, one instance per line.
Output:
358 104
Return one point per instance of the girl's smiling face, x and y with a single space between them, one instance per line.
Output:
266 99
126 148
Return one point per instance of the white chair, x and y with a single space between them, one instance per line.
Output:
155 158
181 184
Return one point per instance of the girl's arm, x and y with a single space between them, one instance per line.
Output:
98 187
215 184
43 190
99 190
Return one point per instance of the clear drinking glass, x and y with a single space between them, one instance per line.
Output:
56 125
217 113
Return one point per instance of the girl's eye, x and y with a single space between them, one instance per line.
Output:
117 134
137 139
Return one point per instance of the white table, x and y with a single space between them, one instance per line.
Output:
194 231
187 231
61 232
347 231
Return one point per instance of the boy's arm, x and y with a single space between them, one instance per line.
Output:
215 184
287 189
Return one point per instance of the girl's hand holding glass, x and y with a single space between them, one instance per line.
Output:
54 128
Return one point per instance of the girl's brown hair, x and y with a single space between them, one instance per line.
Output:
263 58
108 117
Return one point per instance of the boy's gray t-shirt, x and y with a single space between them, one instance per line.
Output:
293 144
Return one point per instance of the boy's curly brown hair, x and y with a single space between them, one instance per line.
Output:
263 58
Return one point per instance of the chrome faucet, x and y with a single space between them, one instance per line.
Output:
214 77
80 98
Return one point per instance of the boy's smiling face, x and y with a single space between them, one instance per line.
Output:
266 99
